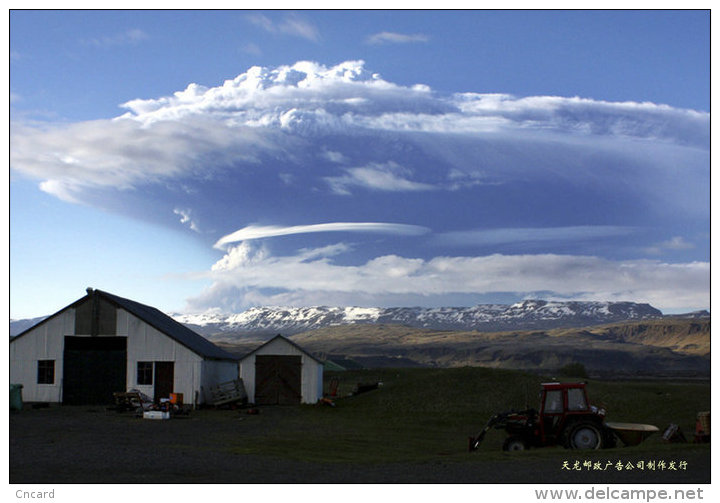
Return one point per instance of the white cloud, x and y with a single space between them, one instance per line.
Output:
186 218
131 36
261 21
336 157
677 243
259 232
590 117
520 235
387 37
291 24
251 48
315 275
287 178
262 97
122 154
390 177
171 137
673 244
62 191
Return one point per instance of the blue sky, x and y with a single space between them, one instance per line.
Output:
198 160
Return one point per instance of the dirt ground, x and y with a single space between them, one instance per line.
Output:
82 445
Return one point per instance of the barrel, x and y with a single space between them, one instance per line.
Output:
704 422
16 402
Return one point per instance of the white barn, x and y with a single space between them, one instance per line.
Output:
281 373
103 343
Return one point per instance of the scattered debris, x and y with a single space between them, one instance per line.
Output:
673 434
132 400
334 383
156 414
702 428
139 403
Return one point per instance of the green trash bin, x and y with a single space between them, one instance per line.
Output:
16 397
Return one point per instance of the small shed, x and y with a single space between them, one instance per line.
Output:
103 343
281 373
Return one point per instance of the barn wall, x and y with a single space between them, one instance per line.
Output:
247 374
312 371
314 381
145 343
44 342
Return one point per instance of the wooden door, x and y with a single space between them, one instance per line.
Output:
278 379
164 377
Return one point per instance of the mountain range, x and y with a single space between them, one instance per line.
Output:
525 315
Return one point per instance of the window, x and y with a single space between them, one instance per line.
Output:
576 399
46 372
145 372
553 401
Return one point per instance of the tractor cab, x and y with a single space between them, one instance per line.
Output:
560 405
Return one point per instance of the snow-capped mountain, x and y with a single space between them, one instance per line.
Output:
19 326
526 315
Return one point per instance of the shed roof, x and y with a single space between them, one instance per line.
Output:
158 320
285 339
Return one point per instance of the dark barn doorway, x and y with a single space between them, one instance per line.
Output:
93 369
164 377
278 379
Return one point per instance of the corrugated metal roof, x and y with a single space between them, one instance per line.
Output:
170 327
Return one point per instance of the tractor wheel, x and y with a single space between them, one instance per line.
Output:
514 443
585 435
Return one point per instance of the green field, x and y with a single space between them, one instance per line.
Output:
424 414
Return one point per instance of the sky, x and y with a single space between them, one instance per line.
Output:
219 160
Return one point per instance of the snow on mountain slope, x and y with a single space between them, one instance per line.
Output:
525 315
529 314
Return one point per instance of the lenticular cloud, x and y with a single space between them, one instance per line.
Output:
258 232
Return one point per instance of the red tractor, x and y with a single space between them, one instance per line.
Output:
566 418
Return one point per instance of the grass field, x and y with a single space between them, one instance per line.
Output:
413 429
424 414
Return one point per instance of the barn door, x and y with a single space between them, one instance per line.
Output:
278 379
93 369
164 377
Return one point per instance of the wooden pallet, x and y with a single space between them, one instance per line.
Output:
227 393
